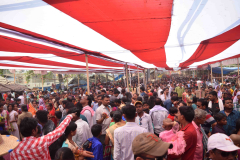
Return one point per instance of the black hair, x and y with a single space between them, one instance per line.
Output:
173 110
117 101
105 96
64 101
50 105
79 106
145 98
89 100
139 99
39 129
64 153
99 96
204 102
96 129
158 101
214 93
42 116
9 105
227 99
103 91
111 114
69 105
124 100
174 93
174 98
24 108
117 116
151 102
58 114
74 110
116 91
129 111
27 125
34 101
219 116
142 88
1 105
71 127
184 104
194 99
187 112
237 126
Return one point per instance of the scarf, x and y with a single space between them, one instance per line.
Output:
88 108
235 98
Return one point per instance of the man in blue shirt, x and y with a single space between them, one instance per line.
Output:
96 147
168 103
232 116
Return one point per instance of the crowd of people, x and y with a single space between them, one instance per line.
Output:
173 118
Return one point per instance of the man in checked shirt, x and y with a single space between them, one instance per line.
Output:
37 148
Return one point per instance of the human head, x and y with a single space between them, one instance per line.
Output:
200 116
71 129
228 103
34 103
24 108
74 110
99 100
185 114
145 105
202 104
117 116
149 146
158 101
103 92
64 153
58 115
129 112
166 124
173 111
10 107
86 100
96 130
221 147
105 100
15 106
117 102
28 127
42 116
221 118
174 98
212 95
50 106
139 107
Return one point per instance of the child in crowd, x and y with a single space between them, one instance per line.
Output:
172 135
221 121
146 107
58 116
96 147
172 111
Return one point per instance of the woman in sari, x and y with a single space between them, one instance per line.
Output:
117 117
42 105
4 119
33 108
13 116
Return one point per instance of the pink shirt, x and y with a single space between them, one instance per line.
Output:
199 148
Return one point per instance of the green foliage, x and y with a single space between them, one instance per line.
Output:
1 72
29 75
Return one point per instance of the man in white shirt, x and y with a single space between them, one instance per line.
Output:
143 119
124 136
87 111
103 117
158 114
22 98
83 130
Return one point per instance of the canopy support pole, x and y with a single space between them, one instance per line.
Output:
138 86
144 79
113 79
42 82
95 78
14 77
67 82
78 81
127 77
238 69
88 89
221 72
211 73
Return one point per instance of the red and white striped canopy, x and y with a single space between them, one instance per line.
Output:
55 34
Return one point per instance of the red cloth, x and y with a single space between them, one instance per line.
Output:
52 113
171 117
37 148
190 136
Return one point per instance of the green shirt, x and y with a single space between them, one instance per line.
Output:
179 91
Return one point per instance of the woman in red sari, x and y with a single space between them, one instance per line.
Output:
51 113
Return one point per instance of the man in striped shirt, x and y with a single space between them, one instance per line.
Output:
37 148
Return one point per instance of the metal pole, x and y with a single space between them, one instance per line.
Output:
127 77
221 72
138 89
88 89
14 77
211 73
42 82
238 69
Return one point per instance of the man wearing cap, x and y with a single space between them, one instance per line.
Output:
124 136
221 147
149 146
143 120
